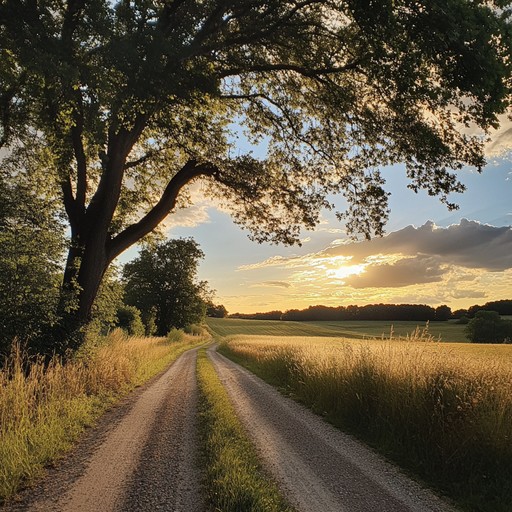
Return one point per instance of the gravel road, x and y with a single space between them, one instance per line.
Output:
143 455
319 468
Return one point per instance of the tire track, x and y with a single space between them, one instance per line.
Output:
146 461
318 466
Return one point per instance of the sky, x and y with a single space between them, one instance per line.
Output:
429 255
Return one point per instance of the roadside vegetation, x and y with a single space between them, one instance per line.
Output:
45 407
235 481
441 410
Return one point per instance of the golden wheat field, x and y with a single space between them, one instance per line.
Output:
442 410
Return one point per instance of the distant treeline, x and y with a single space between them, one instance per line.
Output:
393 312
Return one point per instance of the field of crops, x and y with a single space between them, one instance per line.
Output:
441 410
447 331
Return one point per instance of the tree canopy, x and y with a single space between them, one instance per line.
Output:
162 280
134 100
31 249
488 327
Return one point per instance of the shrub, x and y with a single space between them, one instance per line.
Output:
488 327
175 335
194 330
129 319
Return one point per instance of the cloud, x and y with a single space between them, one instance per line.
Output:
189 217
405 272
469 244
278 284
468 294
273 261
501 139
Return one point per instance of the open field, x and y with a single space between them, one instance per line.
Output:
441 410
448 331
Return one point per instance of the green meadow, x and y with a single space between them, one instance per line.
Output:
446 331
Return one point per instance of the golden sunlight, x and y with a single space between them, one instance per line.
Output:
347 270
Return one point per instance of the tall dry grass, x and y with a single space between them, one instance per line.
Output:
44 408
443 415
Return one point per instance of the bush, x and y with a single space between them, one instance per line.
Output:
129 319
175 335
488 327
194 330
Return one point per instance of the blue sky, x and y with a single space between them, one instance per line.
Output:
252 277
429 254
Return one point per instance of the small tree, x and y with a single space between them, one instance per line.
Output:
162 279
443 313
216 310
488 327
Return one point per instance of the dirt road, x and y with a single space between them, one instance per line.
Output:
318 467
144 455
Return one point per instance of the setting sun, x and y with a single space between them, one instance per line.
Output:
347 270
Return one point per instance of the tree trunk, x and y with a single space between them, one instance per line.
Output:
84 272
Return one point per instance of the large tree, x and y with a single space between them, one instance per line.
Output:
136 99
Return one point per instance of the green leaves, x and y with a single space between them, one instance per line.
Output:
162 280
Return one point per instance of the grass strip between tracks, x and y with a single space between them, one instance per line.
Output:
44 409
235 480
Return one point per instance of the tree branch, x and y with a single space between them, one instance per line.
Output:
69 203
302 70
164 206
78 149
139 161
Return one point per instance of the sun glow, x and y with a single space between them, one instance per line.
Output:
347 270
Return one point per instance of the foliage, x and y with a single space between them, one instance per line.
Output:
235 480
129 319
163 279
444 414
31 251
107 303
133 101
417 312
443 313
194 330
502 307
488 327
268 315
215 310
175 335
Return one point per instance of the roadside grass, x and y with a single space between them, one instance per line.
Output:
44 409
441 411
235 481
449 331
